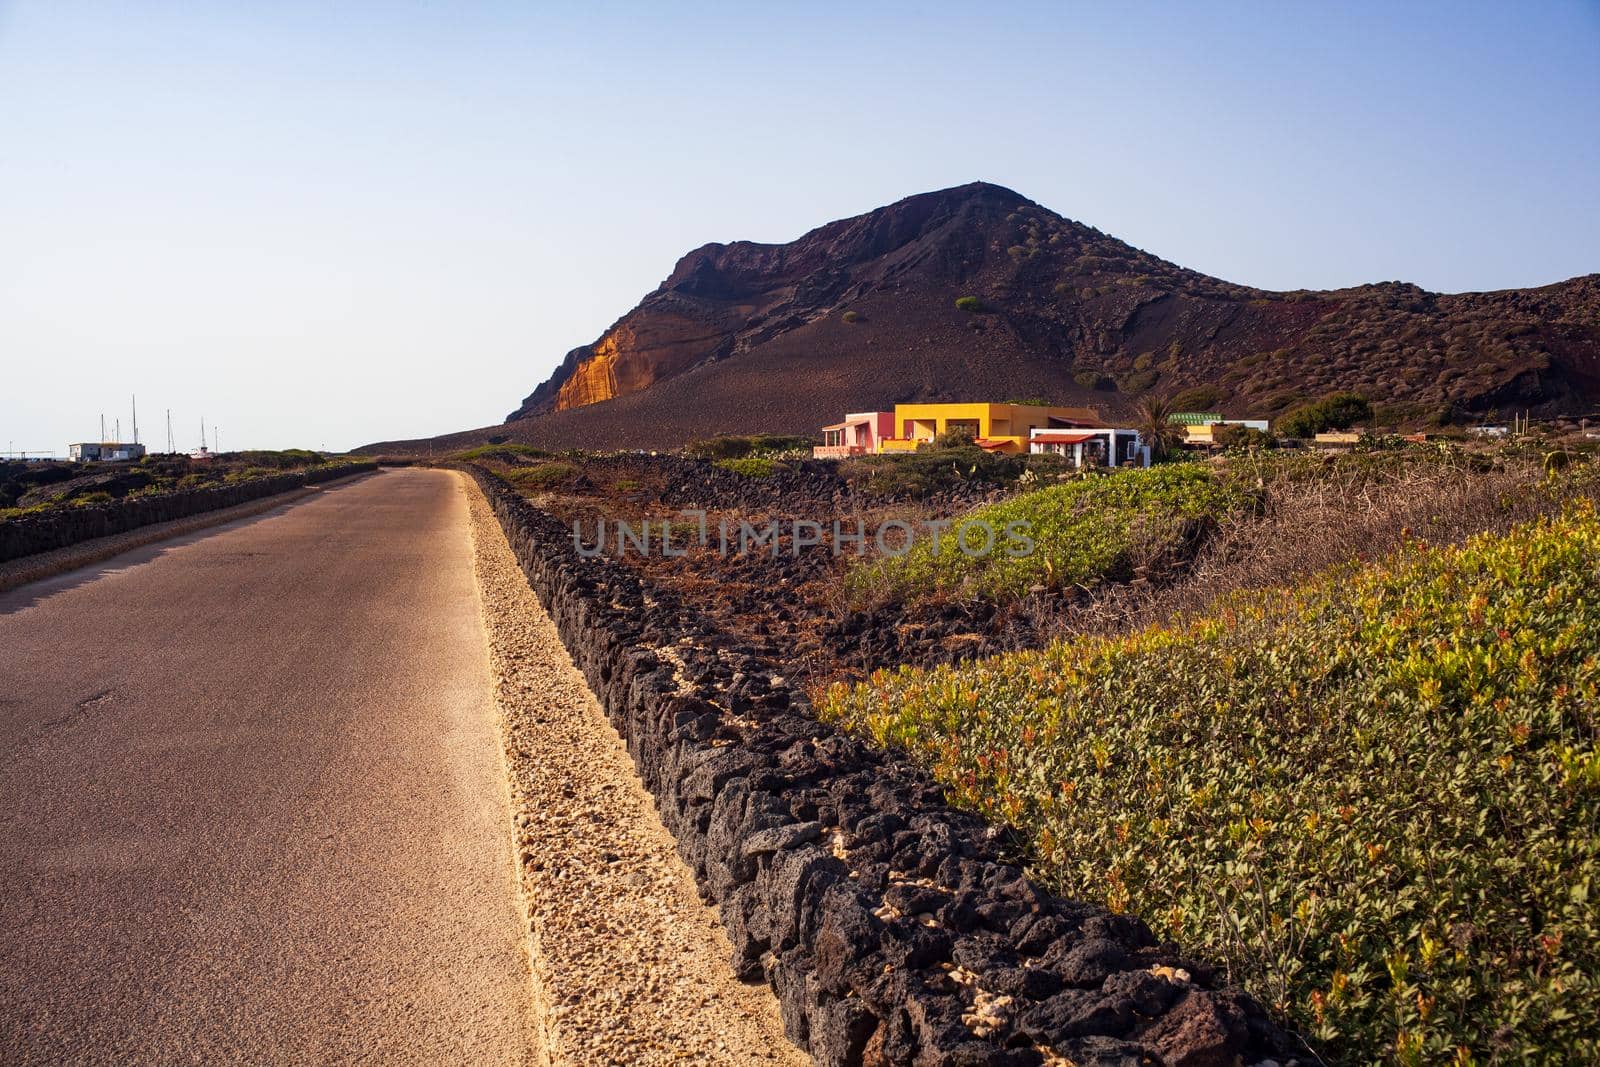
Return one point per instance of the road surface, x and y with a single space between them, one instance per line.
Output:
252 803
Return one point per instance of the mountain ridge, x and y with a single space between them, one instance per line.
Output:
861 312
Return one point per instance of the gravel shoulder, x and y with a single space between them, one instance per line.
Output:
630 966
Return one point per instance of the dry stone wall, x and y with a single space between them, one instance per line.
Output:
893 928
29 534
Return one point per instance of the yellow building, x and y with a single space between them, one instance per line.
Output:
998 427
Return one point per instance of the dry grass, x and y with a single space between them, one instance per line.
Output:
1323 512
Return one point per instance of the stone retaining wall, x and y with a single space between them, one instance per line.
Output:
58 528
893 928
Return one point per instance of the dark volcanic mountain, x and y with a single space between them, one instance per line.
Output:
861 313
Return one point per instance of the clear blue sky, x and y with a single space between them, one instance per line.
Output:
325 224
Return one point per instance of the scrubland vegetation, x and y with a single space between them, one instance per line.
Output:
1326 719
749 466
508 452
1360 769
733 446
1337 411
34 488
930 472
1083 531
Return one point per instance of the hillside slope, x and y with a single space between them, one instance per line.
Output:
748 336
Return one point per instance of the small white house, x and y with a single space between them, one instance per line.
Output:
105 451
1104 446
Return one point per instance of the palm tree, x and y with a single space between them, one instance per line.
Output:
1156 427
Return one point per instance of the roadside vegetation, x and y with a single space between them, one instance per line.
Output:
931 471
502 453
1376 795
36 488
749 466
543 475
733 446
1075 533
1325 718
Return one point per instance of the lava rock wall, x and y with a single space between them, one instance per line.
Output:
893 928
61 527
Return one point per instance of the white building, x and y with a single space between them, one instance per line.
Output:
1104 446
105 451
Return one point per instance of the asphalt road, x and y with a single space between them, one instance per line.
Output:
252 804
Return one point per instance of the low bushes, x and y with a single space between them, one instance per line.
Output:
749 466
1074 533
1139 381
503 453
1377 797
1337 411
1243 438
892 928
732 446
547 475
25 532
1198 398
931 470
275 459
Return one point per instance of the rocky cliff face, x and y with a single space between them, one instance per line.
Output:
722 300
862 313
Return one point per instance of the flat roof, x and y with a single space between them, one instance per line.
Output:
1057 438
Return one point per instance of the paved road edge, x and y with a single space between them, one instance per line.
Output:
629 964
35 568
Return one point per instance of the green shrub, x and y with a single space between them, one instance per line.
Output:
920 474
1084 531
955 437
1138 382
1303 421
248 474
749 466
1336 411
1242 438
853 316
733 446
969 303
1198 398
505 453
278 459
549 475
1091 379
1376 798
